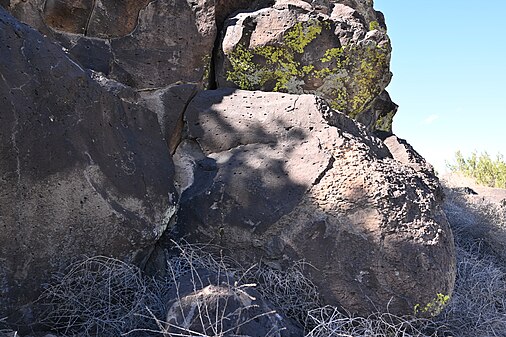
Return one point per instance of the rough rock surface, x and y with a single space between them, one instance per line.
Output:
212 304
364 9
81 170
169 104
293 47
404 153
85 167
379 116
144 44
283 177
225 8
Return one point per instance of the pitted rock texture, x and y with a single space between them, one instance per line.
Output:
144 44
293 47
276 178
82 171
365 9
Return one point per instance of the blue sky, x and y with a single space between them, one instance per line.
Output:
449 66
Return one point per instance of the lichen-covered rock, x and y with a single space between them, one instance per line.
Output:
141 43
276 178
380 114
82 170
295 48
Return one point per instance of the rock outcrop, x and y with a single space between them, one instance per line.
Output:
107 131
283 177
293 47
144 44
338 50
82 171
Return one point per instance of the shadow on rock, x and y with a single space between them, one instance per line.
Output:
279 178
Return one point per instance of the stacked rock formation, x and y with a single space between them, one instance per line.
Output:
121 119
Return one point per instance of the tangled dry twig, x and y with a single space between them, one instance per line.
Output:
98 296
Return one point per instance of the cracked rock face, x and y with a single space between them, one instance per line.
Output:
327 49
141 43
82 171
278 178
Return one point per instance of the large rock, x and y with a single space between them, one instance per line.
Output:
294 47
211 303
144 44
276 178
82 171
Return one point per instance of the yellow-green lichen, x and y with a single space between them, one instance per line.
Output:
384 123
364 65
274 64
332 54
206 60
245 72
373 25
300 35
434 307
350 77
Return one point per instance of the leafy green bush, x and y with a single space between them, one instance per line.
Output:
482 168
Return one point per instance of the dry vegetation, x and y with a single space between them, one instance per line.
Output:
105 297
486 170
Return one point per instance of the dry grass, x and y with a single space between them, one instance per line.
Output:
210 310
478 305
99 296
330 322
290 291
105 297
6 332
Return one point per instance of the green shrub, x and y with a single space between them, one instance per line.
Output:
482 168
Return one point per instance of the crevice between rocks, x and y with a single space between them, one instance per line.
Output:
88 22
183 124
212 82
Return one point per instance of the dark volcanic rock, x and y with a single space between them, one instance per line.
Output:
278 178
114 18
211 303
144 44
169 104
380 114
81 170
329 50
151 57
226 8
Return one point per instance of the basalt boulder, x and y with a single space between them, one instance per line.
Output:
214 303
278 178
296 47
144 44
82 170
